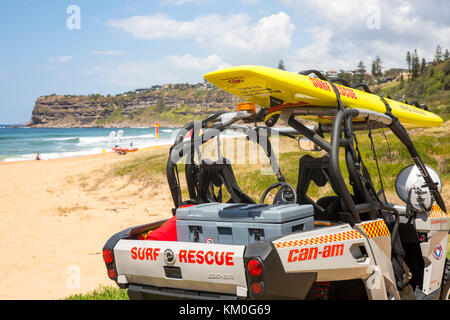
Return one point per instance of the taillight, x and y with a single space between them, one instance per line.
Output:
111 273
254 267
108 256
257 287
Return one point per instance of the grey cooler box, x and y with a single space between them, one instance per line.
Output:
241 224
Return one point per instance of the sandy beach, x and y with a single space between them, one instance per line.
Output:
56 216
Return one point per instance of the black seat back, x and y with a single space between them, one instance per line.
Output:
218 173
317 170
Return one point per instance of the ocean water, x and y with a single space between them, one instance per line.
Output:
23 143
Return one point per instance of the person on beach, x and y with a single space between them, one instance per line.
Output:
38 156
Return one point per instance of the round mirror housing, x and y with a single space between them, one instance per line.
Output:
411 187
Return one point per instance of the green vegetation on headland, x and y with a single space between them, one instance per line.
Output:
178 115
432 88
171 105
425 82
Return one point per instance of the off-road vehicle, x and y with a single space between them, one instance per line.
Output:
350 245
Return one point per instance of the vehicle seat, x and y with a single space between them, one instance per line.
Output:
218 173
317 170
331 206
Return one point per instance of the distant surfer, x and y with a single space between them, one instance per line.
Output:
38 156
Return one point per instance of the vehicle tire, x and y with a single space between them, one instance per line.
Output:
445 286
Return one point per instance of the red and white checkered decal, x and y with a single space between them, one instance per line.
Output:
436 212
337 237
376 228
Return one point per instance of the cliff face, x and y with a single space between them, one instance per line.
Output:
170 107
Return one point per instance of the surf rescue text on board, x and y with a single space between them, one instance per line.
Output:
343 91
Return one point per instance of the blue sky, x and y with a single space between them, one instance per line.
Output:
127 44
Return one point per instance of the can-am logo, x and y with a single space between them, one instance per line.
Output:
313 252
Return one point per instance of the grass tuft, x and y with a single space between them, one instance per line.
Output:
103 293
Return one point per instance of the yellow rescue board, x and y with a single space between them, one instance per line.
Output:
262 85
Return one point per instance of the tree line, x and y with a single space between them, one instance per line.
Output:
415 68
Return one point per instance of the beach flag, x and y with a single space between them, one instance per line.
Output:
157 130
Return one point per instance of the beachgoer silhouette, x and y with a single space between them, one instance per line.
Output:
38 156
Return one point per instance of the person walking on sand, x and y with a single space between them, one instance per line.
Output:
38 156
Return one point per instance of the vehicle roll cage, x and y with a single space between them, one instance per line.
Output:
343 123
203 131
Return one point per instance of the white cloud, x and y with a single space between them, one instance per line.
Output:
343 32
107 52
158 26
234 37
170 69
341 36
61 59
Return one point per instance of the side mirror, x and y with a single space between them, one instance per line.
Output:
307 145
411 187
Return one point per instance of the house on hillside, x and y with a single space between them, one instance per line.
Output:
405 75
331 74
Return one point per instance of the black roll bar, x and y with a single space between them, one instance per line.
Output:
399 130
311 135
343 192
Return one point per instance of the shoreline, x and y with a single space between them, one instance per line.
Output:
170 126
84 155
20 144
